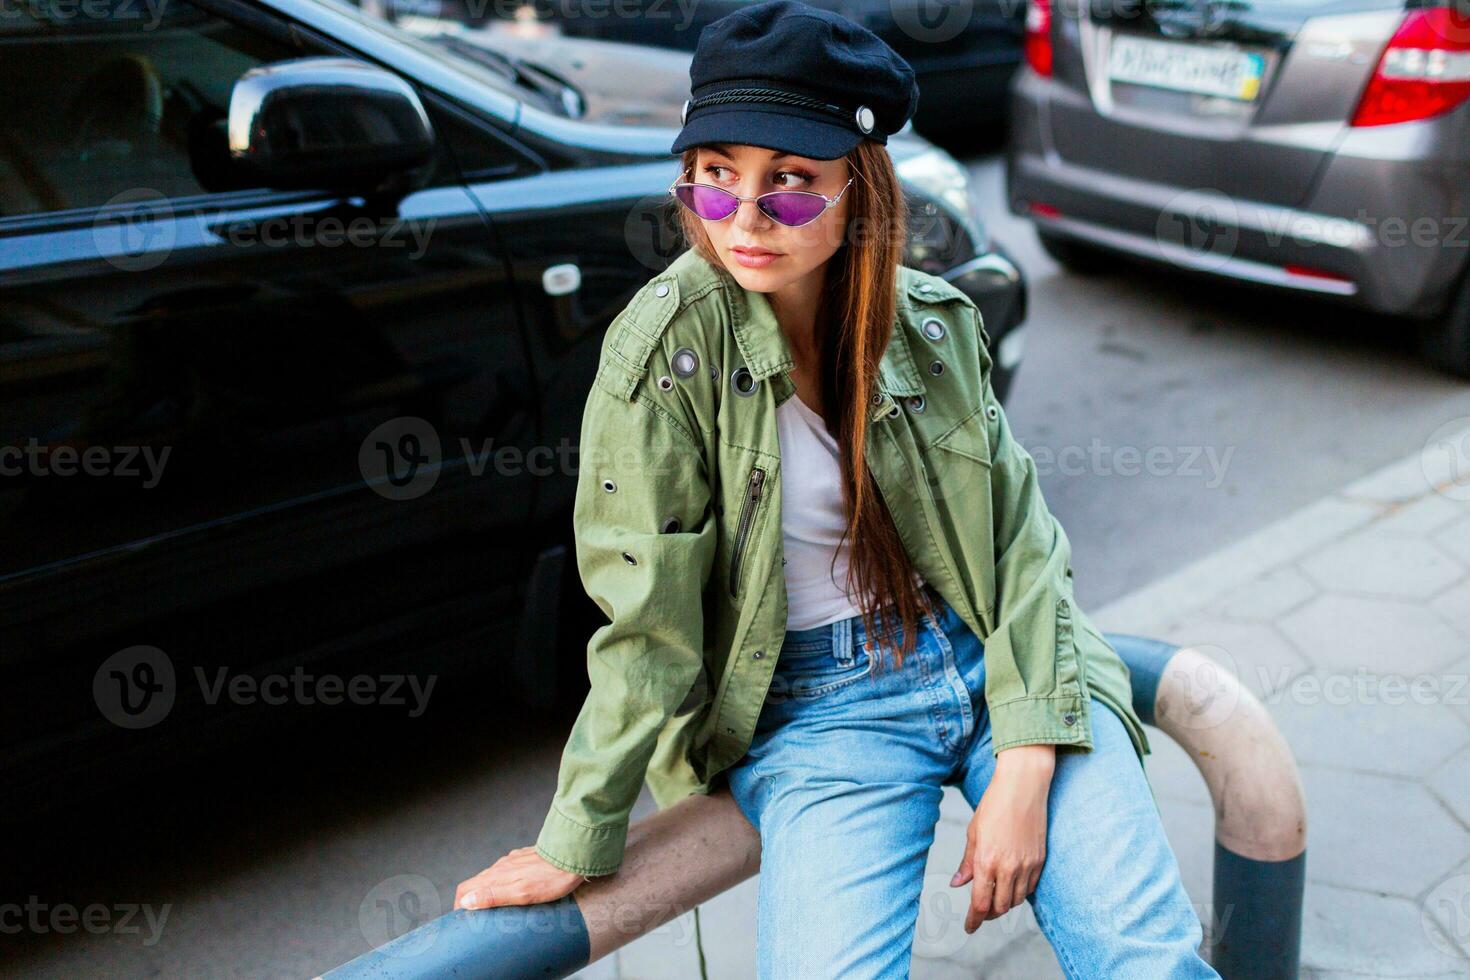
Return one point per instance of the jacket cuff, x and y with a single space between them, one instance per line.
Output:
579 849
1040 721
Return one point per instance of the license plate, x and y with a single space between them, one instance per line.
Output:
1183 67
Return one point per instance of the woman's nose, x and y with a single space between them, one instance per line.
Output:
747 215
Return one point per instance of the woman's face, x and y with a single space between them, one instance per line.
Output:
762 254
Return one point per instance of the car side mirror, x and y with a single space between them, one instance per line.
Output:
328 123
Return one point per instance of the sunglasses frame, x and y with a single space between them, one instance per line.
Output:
827 202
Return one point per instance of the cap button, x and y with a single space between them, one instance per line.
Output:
865 119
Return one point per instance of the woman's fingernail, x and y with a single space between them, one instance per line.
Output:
467 901
955 881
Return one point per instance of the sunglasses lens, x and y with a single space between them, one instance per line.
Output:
710 203
792 208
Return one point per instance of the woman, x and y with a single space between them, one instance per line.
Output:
902 533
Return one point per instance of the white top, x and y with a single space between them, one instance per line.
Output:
812 520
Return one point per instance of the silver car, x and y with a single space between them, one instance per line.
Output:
1318 146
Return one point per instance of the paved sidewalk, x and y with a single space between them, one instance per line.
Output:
1350 619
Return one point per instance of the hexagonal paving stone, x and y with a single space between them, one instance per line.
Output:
1453 605
1451 781
1268 597
1191 831
1455 539
1172 773
1377 833
1338 632
1372 563
1426 514
727 924
1359 934
1362 721
1460 701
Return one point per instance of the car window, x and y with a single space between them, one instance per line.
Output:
120 96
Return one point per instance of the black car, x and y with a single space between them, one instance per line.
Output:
298 313
964 54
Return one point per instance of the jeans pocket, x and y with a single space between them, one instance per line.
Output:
807 678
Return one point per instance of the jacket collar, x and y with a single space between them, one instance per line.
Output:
761 342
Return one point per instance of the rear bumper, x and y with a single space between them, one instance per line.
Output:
1354 239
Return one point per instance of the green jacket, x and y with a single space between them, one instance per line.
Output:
678 540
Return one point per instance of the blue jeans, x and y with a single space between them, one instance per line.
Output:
843 780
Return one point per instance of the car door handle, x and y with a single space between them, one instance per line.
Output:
559 280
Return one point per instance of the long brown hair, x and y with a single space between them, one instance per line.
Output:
855 319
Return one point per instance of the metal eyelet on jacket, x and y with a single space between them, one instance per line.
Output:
609 486
877 397
669 526
991 412
629 559
665 382
933 328
740 376
714 372
893 412
936 367
685 362
916 403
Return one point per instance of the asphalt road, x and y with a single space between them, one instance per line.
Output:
1170 418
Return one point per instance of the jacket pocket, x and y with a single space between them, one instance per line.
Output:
969 439
958 465
754 490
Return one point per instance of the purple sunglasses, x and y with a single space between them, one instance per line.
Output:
794 208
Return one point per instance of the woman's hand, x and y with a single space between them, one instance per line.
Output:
521 877
1006 840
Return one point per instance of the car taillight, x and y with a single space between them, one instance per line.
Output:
1038 36
1425 70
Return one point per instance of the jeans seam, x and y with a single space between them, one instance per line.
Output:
956 684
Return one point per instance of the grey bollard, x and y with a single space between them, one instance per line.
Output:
1260 808
701 846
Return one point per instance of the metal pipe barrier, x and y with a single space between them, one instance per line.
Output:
680 857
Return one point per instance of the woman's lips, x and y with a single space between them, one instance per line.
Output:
755 259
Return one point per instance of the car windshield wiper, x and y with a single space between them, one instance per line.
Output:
517 72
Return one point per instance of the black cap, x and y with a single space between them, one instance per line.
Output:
795 78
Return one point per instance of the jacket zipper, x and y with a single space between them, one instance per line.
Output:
742 530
